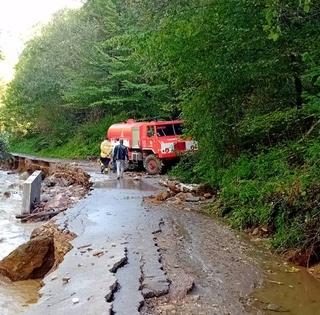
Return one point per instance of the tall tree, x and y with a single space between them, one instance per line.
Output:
82 66
218 55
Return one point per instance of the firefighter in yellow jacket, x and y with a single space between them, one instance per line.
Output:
105 155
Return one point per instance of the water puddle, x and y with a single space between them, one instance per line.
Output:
287 288
109 181
14 297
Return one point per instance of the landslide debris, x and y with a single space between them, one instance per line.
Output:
40 255
191 197
70 175
178 194
63 187
29 261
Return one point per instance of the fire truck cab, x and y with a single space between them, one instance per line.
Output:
152 143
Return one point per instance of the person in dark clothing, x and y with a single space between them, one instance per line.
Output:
120 154
113 164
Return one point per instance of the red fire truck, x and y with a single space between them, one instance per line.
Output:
152 143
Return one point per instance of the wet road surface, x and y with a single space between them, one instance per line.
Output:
133 258
112 230
118 259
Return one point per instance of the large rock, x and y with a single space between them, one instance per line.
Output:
31 260
61 240
42 254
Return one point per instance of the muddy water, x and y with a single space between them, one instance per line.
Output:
287 288
12 233
283 288
14 297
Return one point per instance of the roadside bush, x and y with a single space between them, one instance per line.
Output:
3 146
272 190
275 127
186 169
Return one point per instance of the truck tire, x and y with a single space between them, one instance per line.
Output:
152 165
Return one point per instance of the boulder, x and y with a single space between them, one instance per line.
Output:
61 240
42 254
31 260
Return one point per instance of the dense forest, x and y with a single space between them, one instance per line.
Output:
243 74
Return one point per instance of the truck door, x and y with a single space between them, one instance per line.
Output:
150 133
135 137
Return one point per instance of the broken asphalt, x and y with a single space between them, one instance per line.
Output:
129 258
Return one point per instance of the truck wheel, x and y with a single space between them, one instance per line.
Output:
152 165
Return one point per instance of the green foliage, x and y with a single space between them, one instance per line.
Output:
3 145
273 128
243 74
186 169
277 188
82 143
281 16
80 64
2 91
218 56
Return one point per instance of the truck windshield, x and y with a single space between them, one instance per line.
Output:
169 130
178 128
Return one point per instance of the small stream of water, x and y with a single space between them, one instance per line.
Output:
14 297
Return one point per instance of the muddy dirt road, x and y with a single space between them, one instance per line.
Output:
130 257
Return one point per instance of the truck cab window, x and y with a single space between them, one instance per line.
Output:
150 131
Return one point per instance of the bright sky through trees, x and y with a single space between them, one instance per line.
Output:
18 21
